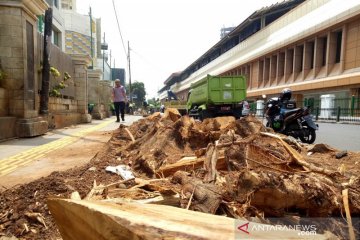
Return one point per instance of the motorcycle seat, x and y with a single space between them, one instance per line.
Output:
291 112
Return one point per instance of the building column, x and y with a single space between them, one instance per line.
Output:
18 44
81 62
273 70
94 93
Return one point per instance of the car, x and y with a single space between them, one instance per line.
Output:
245 108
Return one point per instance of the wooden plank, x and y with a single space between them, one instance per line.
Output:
128 220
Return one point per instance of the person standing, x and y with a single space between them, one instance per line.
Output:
119 99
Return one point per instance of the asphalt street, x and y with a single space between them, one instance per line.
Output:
339 135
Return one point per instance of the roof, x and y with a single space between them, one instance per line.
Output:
286 4
237 35
172 76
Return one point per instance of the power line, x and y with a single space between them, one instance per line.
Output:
117 21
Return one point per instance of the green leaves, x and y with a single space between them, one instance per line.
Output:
55 91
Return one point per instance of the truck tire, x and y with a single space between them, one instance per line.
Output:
203 114
238 113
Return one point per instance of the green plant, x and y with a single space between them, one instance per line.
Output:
55 91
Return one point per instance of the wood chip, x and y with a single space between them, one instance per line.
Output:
37 217
345 194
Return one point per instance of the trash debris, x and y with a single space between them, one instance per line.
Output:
341 154
123 170
92 169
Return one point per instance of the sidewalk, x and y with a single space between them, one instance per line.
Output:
26 159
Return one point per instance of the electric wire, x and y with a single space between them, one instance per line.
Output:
117 21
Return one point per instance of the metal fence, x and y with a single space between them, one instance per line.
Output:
343 110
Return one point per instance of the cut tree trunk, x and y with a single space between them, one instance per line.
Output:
275 193
98 220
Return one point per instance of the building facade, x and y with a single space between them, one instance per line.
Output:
312 47
68 4
58 24
80 36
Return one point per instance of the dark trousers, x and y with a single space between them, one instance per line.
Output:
120 108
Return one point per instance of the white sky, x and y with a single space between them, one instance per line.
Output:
165 36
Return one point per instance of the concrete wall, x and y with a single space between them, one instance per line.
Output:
63 62
99 94
12 59
63 112
21 57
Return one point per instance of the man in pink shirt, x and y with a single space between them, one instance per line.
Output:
119 99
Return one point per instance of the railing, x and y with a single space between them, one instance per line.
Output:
337 114
345 110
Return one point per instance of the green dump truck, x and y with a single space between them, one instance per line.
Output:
214 96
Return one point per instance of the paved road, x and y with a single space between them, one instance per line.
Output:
340 136
17 153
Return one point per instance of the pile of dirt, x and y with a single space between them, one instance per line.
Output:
218 166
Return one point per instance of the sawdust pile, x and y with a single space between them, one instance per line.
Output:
218 166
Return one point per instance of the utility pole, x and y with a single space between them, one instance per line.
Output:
44 97
91 41
104 59
110 66
129 73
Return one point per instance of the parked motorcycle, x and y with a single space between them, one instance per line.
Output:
283 116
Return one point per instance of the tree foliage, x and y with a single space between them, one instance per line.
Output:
155 102
138 92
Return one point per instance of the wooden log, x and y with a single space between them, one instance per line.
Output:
127 220
196 195
187 164
210 163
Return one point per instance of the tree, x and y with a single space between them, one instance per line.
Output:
155 102
138 92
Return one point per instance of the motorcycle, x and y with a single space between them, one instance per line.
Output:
291 121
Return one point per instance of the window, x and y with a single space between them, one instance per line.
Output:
324 48
56 3
56 38
311 46
338 46
299 58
